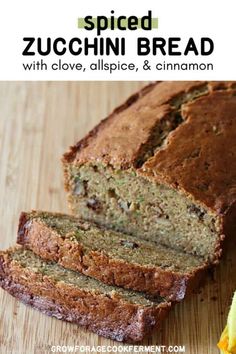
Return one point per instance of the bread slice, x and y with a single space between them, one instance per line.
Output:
111 257
108 311
154 167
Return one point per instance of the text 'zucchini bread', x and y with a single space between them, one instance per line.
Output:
111 257
108 311
162 167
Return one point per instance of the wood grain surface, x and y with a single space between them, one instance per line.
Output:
38 121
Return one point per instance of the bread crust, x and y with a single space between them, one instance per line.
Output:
108 316
49 245
70 156
118 139
199 157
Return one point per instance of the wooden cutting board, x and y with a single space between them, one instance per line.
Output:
38 121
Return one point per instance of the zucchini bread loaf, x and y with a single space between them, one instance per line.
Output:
108 311
162 167
111 257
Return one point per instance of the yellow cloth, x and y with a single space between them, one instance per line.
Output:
227 343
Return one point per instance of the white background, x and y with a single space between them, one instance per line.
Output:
182 18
